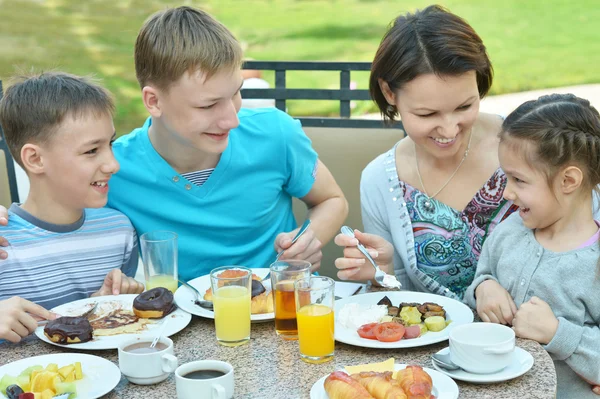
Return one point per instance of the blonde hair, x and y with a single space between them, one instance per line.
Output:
183 39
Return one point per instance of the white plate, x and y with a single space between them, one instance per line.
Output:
522 363
456 311
178 320
100 376
184 297
443 387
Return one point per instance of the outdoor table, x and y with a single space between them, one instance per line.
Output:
269 367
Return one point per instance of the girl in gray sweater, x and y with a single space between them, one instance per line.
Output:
539 270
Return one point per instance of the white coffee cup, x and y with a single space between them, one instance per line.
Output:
211 388
147 368
482 348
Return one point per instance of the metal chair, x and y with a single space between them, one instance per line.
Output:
280 93
8 178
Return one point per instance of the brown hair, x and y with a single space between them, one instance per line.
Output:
34 107
183 39
432 40
555 131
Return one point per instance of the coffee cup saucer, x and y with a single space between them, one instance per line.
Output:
521 363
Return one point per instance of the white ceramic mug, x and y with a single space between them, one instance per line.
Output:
482 348
212 388
147 368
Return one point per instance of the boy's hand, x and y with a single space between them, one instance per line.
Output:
308 247
354 266
535 320
116 283
3 222
494 303
19 317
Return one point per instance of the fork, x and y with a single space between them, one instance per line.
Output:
65 395
379 274
84 314
303 228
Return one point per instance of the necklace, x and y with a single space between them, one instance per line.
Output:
430 197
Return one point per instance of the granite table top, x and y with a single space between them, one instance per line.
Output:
269 367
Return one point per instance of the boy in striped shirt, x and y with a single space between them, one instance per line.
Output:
63 245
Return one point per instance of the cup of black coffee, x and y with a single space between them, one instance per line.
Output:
210 379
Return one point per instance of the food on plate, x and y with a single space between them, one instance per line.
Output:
38 382
118 321
410 315
435 323
154 304
68 330
380 385
388 331
340 385
354 315
379 381
416 382
262 300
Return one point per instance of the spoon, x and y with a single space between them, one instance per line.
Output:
204 304
382 278
444 361
303 229
160 333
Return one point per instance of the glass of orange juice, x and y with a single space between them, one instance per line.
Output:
283 275
232 287
159 254
314 312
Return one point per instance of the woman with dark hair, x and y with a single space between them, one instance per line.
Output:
429 203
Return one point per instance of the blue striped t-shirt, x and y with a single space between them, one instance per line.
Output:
53 264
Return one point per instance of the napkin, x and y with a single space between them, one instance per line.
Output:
345 289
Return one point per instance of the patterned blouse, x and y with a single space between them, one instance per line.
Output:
448 242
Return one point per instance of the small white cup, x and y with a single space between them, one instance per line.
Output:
147 368
482 348
213 388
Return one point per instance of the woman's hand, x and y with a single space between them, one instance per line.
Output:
535 320
19 317
354 266
494 303
116 283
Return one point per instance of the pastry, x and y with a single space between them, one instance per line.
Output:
68 330
154 304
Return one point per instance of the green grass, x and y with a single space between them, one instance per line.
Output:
533 44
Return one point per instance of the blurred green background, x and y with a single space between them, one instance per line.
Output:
532 43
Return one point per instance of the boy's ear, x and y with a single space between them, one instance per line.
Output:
571 178
31 156
150 96
388 93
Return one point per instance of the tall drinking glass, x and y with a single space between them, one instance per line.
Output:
159 254
283 276
314 312
231 287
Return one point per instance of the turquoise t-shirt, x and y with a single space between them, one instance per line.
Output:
234 217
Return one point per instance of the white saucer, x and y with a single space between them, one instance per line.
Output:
522 363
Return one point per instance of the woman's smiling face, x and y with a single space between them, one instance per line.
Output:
438 112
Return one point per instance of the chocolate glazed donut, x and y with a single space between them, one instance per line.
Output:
154 304
68 330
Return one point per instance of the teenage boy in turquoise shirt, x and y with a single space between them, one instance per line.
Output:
189 69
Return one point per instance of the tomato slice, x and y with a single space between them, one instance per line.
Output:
389 332
366 330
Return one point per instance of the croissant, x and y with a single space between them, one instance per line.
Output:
416 382
380 385
340 385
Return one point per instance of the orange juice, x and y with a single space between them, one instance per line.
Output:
315 333
162 280
232 315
